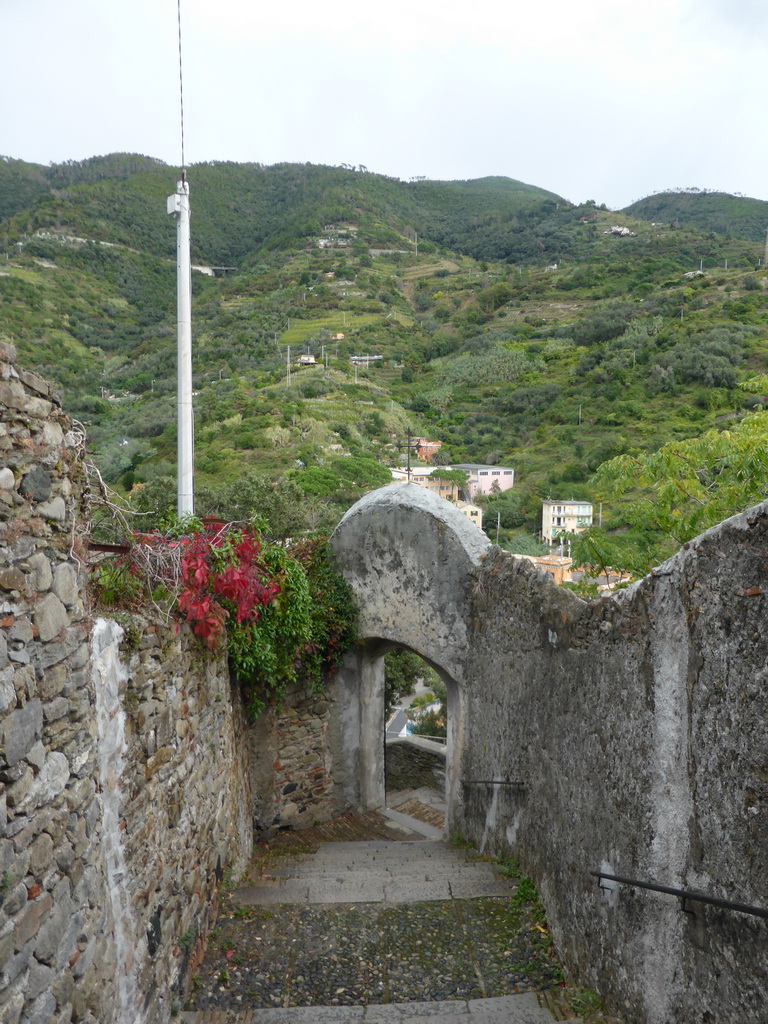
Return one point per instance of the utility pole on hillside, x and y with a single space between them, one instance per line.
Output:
178 207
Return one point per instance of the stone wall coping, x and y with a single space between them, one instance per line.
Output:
422 742
419 499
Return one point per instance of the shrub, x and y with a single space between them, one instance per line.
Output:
284 614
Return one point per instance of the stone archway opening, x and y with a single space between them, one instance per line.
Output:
416 753
375 765
409 557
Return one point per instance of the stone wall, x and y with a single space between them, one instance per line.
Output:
410 765
638 725
289 764
57 950
182 807
123 782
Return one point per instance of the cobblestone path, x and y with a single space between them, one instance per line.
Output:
378 926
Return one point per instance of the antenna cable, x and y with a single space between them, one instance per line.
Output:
181 98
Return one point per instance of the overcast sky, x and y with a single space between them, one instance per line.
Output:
599 100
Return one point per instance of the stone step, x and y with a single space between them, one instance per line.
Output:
304 868
418 922
375 872
416 818
370 890
392 852
514 1009
361 856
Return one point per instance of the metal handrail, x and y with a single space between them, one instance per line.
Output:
492 782
684 894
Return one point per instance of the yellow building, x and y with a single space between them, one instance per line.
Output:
422 477
473 512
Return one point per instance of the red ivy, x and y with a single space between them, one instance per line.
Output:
218 585
239 588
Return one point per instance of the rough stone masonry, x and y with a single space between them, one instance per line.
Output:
123 789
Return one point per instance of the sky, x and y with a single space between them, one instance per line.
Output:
598 100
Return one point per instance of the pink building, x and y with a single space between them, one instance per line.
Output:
486 479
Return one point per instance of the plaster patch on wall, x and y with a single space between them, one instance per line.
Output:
490 819
512 829
108 673
671 797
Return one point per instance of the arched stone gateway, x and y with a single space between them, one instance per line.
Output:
409 557
627 736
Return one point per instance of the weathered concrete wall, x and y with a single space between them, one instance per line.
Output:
405 539
123 784
638 724
409 557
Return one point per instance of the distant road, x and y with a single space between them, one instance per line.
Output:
396 724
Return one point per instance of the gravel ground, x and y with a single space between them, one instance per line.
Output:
348 954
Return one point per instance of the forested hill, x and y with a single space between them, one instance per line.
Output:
724 214
243 209
240 209
511 326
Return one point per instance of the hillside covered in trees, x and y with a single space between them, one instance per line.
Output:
511 326
717 212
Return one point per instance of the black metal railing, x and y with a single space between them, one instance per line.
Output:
684 895
493 782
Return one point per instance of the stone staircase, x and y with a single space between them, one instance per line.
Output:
377 932
378 872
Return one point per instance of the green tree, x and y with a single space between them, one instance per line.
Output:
519 542
401 670
427 721
455 476
281 506
508 505
694 483
602 555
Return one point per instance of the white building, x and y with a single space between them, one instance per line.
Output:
559 517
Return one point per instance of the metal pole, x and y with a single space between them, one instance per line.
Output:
178 206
